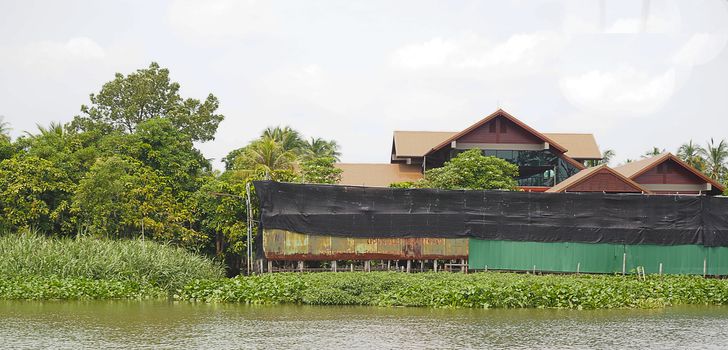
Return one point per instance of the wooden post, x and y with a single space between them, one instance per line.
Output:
422 266
434 265
270 266
260 265
333 265
367 266
351 267
534 269
396 265
463 266
660 269
409 265
300 266
486 268
578 267
624 264
389 265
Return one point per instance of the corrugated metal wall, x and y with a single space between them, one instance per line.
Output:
287 245
596 258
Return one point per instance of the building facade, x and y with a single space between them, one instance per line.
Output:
547 162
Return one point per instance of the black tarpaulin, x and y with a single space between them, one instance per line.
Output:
376 212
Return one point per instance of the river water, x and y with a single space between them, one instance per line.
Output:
168 325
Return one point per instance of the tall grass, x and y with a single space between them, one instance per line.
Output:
29 255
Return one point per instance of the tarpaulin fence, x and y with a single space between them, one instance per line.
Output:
375 212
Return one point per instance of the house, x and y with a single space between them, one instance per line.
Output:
551 162
668 174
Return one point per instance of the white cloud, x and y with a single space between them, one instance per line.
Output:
622 92
699 49
52 53
472 52
219 19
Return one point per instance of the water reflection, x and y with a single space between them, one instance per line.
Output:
168 325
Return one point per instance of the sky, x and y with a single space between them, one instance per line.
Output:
636 74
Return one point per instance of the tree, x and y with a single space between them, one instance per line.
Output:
320 148
692 154
34 194
265 155
121 197
127 101
607 156
655 151
288 138
158 144
716 157
471 170
320 171
4 129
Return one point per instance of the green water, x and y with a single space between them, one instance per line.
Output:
166 325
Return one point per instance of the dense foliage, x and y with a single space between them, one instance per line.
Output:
469 170
479 290
128 167
32 257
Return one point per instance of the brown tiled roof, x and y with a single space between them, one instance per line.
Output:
500 113
589 172
417 143
634 169
579 146
378 175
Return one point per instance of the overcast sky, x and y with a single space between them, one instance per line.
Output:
635 73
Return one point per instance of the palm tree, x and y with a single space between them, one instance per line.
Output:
320 148
4 129
286 137
265 155
607 156
716 157
655 151
691 153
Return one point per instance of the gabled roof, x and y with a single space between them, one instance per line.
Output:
637 168
504 114
378 175
417 143
579 146
587 173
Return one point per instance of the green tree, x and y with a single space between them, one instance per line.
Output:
320 171
691 153
607 157
266 156
121 197
34 194
655 151
320 148
716 157
4 129
127 101
472 171
288 138
221 210
158 144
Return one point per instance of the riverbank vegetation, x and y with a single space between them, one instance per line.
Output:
127 166
478 290
96 267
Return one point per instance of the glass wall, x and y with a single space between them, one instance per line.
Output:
535 168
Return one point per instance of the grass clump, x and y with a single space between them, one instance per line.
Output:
480 290
86 261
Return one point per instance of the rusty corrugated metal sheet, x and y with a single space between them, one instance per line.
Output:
287 245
